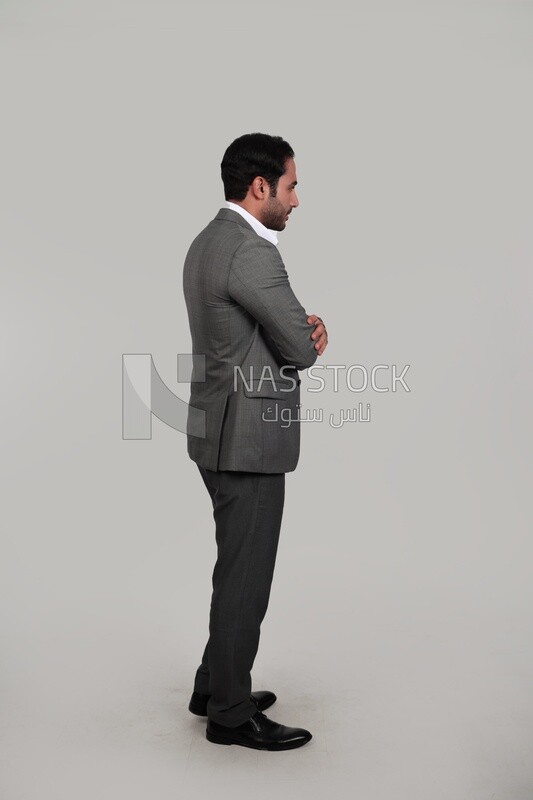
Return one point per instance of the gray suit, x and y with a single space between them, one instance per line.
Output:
243 313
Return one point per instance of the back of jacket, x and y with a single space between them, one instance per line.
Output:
252 331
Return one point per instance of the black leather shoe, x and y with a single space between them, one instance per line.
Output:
262 700
258 732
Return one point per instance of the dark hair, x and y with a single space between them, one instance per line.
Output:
249 156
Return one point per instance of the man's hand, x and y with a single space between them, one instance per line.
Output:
320 334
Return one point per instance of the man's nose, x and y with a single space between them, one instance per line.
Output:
295 202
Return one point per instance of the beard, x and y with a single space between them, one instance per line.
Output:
274 214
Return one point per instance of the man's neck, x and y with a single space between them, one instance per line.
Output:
267 233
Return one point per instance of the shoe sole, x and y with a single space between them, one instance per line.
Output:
213 737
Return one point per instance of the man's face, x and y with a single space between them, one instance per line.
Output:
276 209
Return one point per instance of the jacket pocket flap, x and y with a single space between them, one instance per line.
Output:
279 389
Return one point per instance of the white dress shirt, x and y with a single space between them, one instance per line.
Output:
266 233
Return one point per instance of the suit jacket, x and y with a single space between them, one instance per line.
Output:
243 314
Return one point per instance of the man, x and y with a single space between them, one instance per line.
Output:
250 336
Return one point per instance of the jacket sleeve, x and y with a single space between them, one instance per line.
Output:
258 281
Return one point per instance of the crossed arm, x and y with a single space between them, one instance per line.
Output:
259 282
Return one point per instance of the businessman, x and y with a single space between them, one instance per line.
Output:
250 337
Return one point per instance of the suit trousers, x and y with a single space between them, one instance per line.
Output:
247 509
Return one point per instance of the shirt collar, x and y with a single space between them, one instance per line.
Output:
266 233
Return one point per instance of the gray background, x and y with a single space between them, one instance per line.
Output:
399 628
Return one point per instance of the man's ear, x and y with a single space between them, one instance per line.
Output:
258 189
